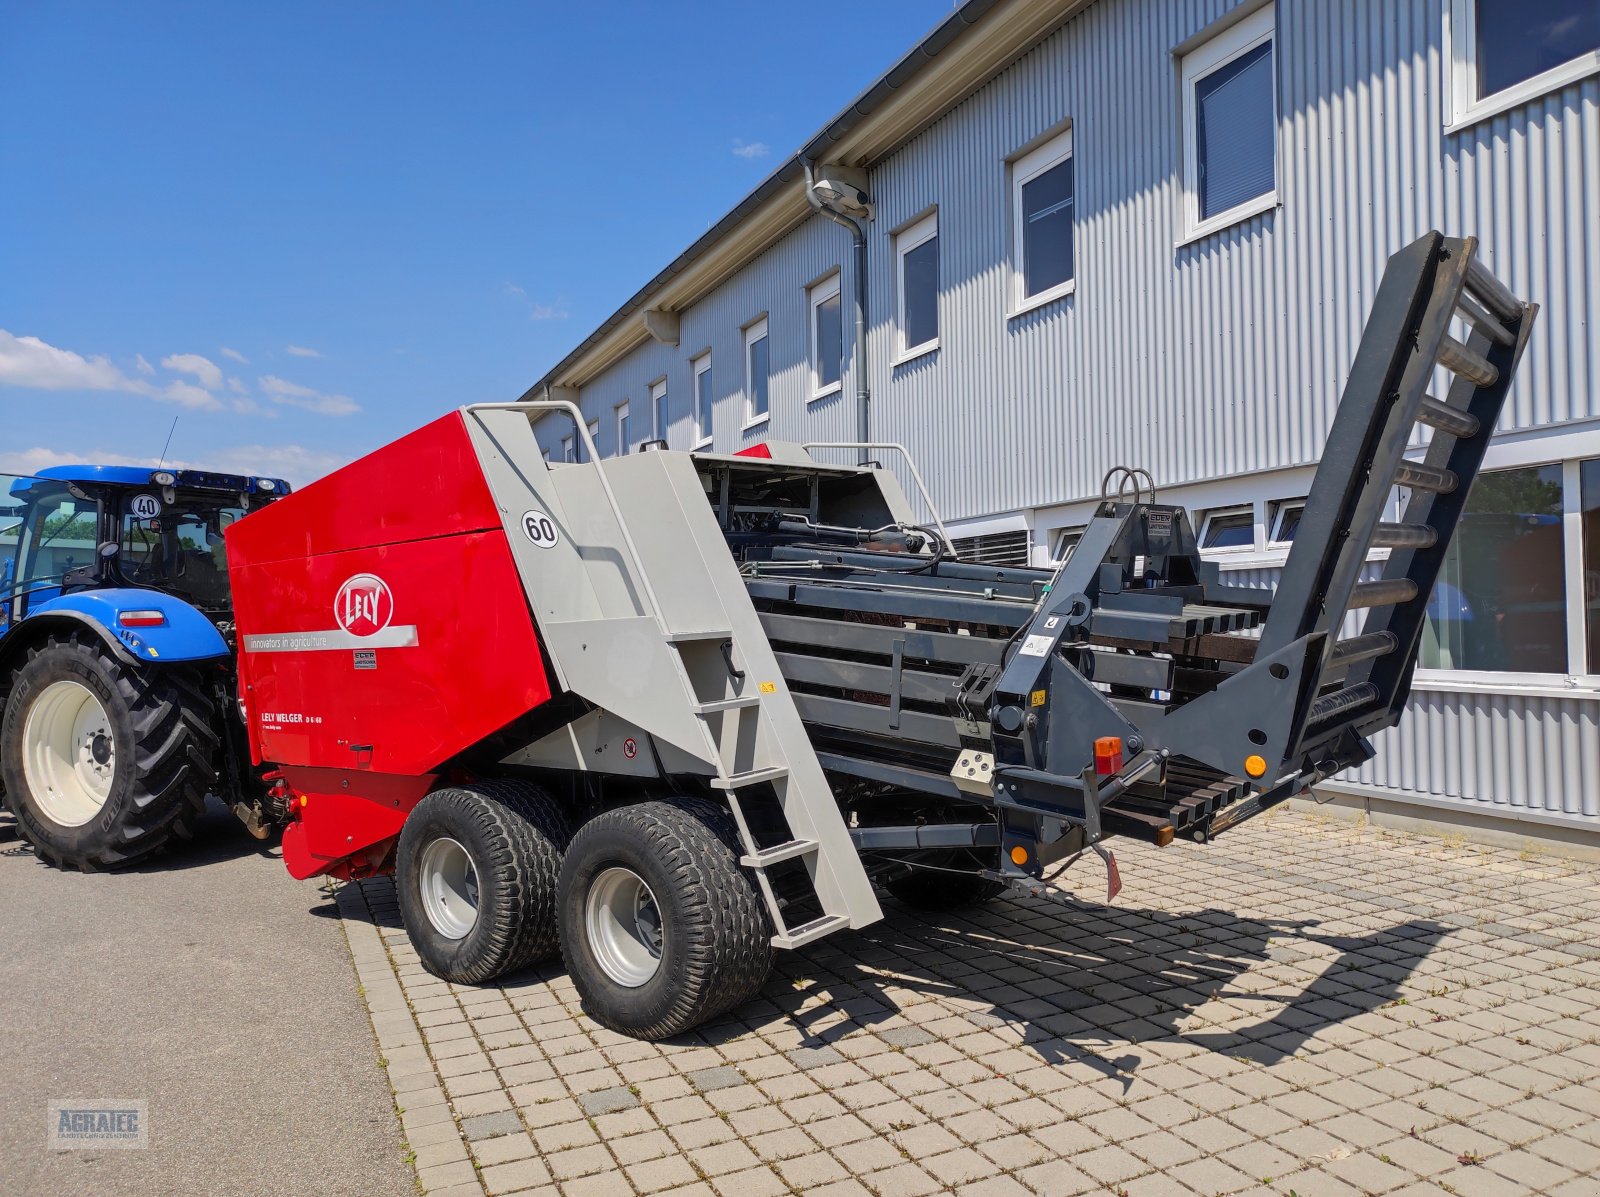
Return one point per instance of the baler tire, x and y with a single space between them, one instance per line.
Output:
514 835
716 939
164 751
939 889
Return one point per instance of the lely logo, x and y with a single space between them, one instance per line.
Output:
364 605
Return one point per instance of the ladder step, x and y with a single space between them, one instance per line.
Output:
709 634
750 777
1483 321
1404 536
1363 648
1384 593
1457 423
726 704
1453 355
1425 477
810 932
768 857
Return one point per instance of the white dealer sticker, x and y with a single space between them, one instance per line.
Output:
539 528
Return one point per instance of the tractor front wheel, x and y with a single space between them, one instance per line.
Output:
104 765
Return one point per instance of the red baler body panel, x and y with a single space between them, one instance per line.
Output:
383 630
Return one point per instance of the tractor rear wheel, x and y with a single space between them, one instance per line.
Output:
476 878
104 765
661 928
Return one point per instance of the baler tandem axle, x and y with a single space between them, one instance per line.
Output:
668 711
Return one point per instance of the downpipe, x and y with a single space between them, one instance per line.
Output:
858 233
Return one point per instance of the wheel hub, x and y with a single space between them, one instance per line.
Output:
449 884
69 757
623 924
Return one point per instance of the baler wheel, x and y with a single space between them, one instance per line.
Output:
104 764
476 877
661 928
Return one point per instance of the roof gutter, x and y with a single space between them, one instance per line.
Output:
866 104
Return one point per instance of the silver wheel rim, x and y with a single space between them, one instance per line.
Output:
624 926
449 888
69 757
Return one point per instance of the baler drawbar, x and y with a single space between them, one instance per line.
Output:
665 712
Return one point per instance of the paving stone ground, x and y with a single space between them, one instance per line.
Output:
1304 1007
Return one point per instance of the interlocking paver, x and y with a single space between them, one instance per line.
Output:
1338 1009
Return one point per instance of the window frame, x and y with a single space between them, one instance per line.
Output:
919 232
594 432
621 415
1024 169
1280 511
824 289
569 449
1204 60
1245 509
1058 537
756 331
698 366
660 413
1463 106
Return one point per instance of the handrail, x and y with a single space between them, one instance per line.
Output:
566 405
916 474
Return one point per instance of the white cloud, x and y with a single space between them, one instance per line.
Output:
236 385
556 310
203 369
300 351
292 394
297 464
233 355
144 366
35 365
750 150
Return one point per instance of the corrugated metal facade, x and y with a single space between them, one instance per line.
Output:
1220 358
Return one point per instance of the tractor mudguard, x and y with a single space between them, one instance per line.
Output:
183 634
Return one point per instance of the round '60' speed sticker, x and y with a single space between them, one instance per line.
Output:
540 529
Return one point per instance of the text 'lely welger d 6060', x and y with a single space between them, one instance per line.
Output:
667 712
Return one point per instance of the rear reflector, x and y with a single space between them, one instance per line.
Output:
141 619
1108 755
758 450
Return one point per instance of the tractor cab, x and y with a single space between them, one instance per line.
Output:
77 528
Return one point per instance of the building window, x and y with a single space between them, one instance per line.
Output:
1500 603
827 338
545 453
594 439
1066 540
1229 528
756 372
568 448
917 256
1041 219
702 400
1230 101
1506 52
1589 508
658 409
624 432
1286 521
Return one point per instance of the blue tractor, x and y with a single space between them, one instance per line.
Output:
117 686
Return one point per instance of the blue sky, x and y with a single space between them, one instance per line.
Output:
305 229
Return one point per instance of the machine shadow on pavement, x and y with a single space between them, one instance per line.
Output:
1078 982
218 837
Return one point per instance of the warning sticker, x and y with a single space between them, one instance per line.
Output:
1036 699
1037 646
769 687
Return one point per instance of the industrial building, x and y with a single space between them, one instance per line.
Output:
1060 235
